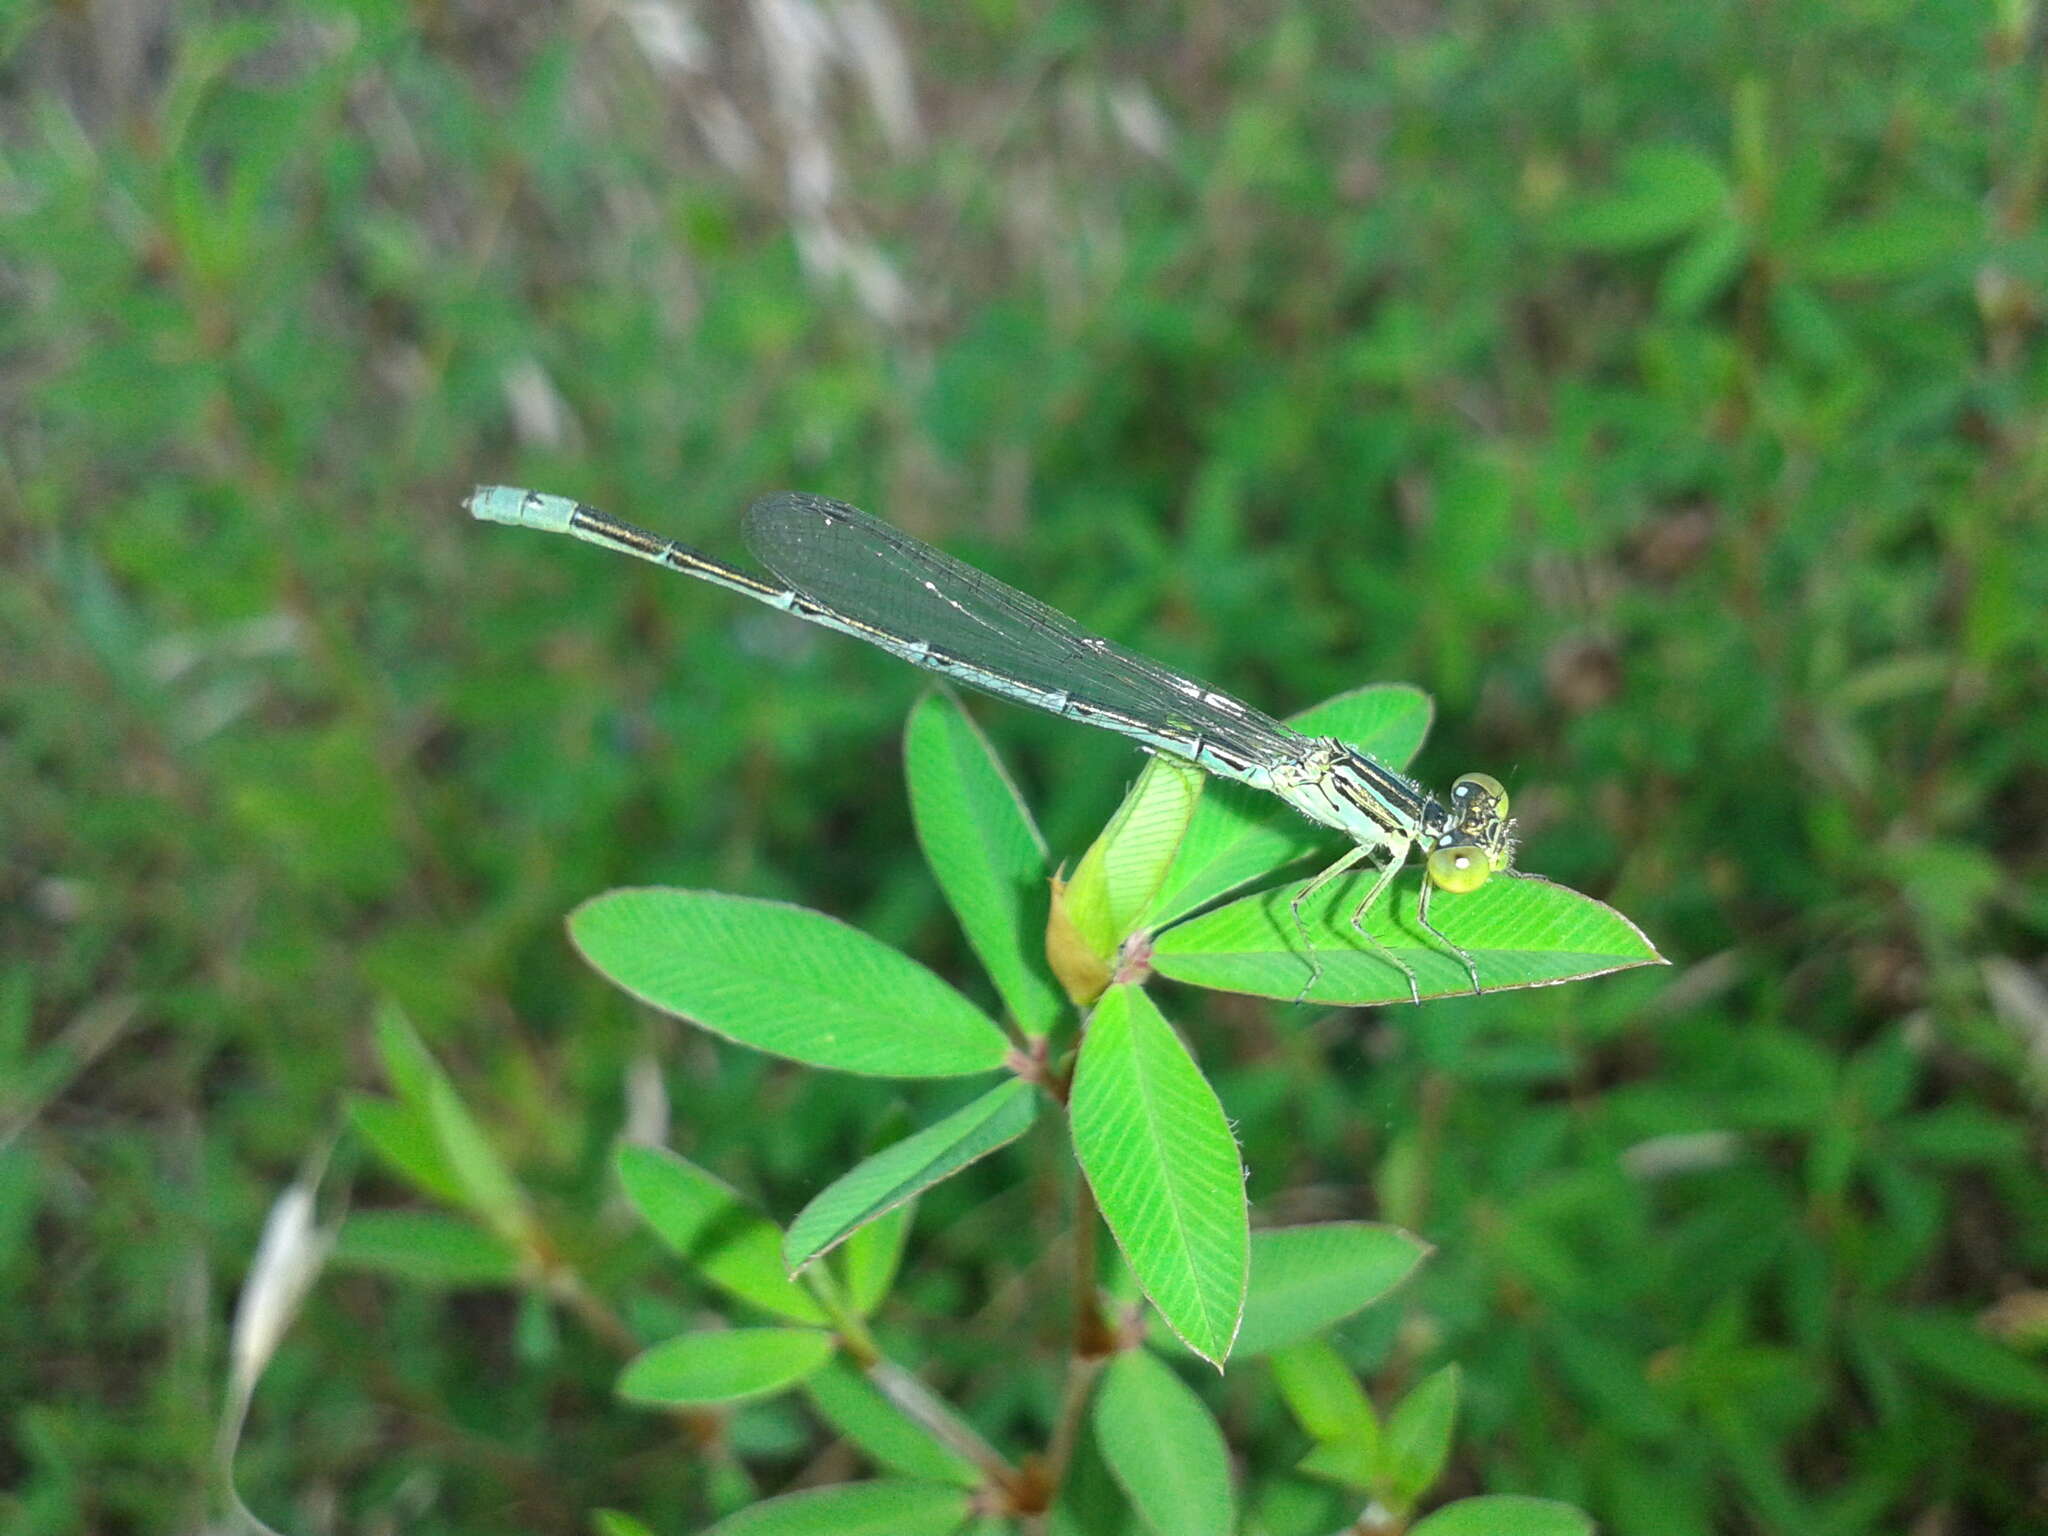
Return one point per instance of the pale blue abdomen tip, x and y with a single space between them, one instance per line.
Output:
521 508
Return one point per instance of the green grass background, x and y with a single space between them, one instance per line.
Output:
1661 387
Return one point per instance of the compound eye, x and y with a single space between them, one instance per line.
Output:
1459 868
1471 788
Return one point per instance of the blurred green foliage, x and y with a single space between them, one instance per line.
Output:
1660 387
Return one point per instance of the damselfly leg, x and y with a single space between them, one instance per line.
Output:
1395 858
1422 917
1349 859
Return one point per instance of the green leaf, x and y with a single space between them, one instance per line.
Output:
899 1172
1386 721
1704 266
1505 1514
854 1509
1352 1462
1305 1278
1119 876
711 1228
985 851
1809 327
889 1437
1322 1393
425 1247
1905 242
1666 190
785 980
871 1257
1520 932
480 1177
1959 1135
400 1134
1158 1153
728 1485
1955 1350
1418 1437
724 1367
1090 1503
486 1181
1163 1448
1239 833
407 1062
616 1522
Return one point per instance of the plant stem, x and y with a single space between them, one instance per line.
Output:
903 1389
704 1427
938 1418
1074 1395
1093 1337
851 1327
1093 1343
567 1287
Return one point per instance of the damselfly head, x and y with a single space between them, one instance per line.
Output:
1477 840
1479 802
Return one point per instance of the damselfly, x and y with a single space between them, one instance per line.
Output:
836 566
